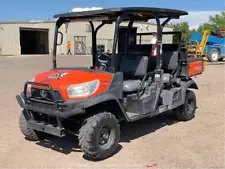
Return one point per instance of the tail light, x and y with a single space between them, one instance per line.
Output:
154 50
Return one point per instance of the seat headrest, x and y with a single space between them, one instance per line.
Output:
170 60
134 65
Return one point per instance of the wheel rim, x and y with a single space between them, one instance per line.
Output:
190 106
214 56
105 137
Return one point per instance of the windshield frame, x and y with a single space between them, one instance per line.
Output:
121 16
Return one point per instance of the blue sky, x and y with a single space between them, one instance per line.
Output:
41 9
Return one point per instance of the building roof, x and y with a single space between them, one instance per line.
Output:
138 13
26 22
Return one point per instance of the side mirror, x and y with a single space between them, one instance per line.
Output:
60 38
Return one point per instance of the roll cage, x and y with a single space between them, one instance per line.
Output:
117 15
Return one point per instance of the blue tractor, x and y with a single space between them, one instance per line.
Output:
210 44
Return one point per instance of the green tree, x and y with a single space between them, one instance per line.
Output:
215 22
184 28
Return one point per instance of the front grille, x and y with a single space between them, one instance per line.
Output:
43 94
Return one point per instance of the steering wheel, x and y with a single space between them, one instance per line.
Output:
104 58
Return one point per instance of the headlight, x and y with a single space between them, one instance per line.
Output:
83 89
29 85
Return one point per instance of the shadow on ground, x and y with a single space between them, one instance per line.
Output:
135 130
64 145
129 132
216 63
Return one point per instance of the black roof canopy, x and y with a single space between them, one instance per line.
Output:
136 13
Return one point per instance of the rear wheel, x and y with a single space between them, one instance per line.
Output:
186 112
99 136
29 134
214 55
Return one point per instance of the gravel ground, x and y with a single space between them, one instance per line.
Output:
150 143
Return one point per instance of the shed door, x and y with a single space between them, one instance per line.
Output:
80 45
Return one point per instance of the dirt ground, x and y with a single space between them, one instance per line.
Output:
149 143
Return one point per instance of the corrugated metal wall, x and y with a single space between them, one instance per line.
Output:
10 35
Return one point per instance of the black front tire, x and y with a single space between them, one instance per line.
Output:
186 112
99 136
29 134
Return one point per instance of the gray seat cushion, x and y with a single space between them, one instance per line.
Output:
131 85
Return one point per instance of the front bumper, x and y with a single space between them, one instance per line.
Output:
71 109
46 128
53 106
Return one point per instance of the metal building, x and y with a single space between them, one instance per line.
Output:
35 38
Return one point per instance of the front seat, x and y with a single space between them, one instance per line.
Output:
134 69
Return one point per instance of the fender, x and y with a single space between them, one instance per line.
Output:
75 107
104 97
191 84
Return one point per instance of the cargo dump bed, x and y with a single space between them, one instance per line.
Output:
192 67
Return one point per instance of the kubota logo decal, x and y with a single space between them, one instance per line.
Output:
58 75
43 93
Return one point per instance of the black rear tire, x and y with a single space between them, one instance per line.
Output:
213 55
29 134
186 112
99 136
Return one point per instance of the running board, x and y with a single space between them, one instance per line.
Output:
46 128
135 116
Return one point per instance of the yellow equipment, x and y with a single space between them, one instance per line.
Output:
202 45
197 50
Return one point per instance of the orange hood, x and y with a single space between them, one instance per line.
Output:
62 79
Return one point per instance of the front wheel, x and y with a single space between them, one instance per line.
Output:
99 136
29 133
186 112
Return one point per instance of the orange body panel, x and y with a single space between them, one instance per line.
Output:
195 68
73 77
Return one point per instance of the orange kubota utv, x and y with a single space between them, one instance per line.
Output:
137 81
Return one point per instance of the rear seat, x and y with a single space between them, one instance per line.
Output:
169 56
143 50
170 63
